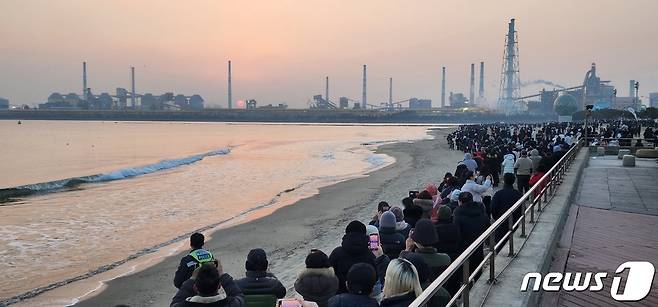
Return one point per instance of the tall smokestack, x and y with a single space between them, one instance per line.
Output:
132 87
481 93
84 80
390 92
443 87
230 99
326 90
472 93
364 100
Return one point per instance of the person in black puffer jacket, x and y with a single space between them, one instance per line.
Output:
411 212
317 282
449 243
392 241
472 221
354 249
360 280
258 281
210 287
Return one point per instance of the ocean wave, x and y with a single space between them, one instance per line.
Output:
125 173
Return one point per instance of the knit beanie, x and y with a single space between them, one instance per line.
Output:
371 229
361 278
399 214
317 259
387 220
256 260
425 233
445 213
355 226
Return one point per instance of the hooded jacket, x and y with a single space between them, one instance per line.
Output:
317 285
353 249
508 164
470 163
261 283
229 295
536 158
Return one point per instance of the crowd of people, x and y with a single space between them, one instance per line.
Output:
405 246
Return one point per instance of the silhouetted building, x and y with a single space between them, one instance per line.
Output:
196 102
420 104
457 100
653 100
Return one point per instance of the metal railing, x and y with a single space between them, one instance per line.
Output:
531 206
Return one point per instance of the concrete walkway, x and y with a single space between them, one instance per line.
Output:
613 220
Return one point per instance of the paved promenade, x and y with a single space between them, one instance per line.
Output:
613 219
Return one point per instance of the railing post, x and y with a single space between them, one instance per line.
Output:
539 205
492 259
523 219
465 276
510 239
532 208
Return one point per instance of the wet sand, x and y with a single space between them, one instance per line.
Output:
290 232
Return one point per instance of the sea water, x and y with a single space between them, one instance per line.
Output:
85 195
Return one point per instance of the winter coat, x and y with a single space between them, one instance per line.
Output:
392 242
536 158
185 269
229 295
403 228
426 205
508 164
523 166
436 262
399 300
477 190
317 285
470 163
352 300
261 283
472 221
449 238
504 199
412 214
354 249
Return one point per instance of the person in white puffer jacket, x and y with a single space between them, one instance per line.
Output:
477 190
508 164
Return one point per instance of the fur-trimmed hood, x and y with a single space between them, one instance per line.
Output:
317 285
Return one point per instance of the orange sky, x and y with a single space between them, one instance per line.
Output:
283 49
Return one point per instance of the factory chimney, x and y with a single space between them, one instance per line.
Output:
84 81
326 90
443 87
132 87
230 99
390 93
364 100
472 93
481 93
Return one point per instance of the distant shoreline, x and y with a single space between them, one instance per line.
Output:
275 116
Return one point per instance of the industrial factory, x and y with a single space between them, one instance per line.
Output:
601 94
122 99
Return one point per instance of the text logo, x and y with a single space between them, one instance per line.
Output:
638 282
